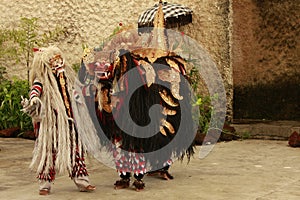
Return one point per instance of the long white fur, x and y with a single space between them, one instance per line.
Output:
54 133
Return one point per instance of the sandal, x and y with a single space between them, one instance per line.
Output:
44 191
153 173
166 175
83 184
45 187
88 188
139 185
122 183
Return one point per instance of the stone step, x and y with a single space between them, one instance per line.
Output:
279 130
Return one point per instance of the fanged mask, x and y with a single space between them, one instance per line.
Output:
57 61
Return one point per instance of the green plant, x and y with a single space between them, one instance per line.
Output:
26 36
205 112
17 44
245 135
203 101
76 67
2 72
10 108
20 41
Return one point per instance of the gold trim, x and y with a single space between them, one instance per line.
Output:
181 60
162 130
64 94
104 100
167 111
163 94
173 64
152 54
159 39
173 77
168 125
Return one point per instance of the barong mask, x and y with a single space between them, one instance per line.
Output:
104 65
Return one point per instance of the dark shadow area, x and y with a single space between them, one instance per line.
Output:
278 100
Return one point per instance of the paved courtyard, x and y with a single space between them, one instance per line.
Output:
248 169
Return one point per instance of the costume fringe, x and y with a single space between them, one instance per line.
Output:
98 95
87 132
57 132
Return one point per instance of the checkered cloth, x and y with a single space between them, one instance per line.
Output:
178 14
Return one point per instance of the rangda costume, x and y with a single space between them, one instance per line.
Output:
61 121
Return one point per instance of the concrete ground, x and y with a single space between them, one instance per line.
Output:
248 169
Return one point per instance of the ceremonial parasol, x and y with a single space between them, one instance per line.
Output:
175 15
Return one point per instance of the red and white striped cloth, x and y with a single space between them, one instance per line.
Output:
36 89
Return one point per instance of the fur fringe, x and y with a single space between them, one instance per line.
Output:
55 134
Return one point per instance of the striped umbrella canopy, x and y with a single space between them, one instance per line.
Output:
175 15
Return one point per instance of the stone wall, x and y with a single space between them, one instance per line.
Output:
265 59
91 21
254 43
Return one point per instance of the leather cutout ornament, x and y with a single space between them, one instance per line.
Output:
166 98
150 73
